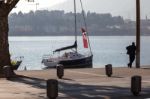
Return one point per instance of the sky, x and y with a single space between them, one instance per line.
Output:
125 8
25 6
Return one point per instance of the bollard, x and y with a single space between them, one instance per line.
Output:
136 85
108 69
60 71
7 71
52 89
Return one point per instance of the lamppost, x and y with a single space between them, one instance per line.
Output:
36 4
137 33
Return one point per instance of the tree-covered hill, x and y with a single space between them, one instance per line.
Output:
57 23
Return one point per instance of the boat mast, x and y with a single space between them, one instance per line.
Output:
75 21
84 18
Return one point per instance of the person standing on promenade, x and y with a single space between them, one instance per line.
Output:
131 49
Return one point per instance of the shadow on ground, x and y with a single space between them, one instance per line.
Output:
34 82
69 89
78 91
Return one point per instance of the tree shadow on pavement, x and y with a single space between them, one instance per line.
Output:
70 89
80 91
35 82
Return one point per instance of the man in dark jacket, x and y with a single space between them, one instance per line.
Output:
131 49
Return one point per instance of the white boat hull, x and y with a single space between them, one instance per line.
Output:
50 64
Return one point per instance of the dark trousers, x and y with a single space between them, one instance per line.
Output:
131 59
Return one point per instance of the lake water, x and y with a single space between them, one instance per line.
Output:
106 49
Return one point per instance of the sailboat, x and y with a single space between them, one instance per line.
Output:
72 59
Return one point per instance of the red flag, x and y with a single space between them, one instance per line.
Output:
85 40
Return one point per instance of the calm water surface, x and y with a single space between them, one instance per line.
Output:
106 49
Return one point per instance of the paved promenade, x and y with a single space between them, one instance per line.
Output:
76 84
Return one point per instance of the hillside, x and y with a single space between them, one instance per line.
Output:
57 23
